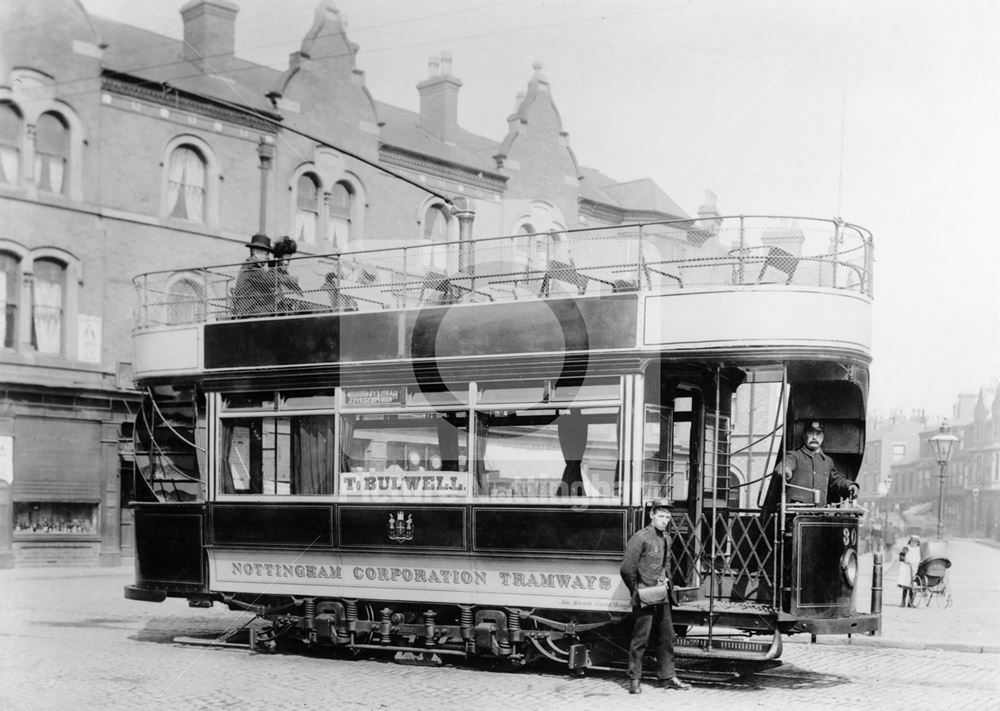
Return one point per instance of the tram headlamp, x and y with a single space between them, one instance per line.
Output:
849 566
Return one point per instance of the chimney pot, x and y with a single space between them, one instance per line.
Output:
209 32
439 98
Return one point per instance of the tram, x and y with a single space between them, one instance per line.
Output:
441 451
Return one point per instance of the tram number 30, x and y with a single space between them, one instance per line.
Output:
850 536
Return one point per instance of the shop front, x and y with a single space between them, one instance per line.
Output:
59 490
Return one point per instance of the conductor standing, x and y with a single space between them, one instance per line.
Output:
645 565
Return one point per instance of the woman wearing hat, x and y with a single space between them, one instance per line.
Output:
909 561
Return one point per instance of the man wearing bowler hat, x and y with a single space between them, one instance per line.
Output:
646 564
808 469
254 293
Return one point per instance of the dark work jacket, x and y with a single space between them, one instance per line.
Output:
814 470
645 558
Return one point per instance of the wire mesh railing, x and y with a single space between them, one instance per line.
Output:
650 257
731 561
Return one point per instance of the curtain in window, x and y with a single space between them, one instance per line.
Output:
228 484
186 184
482 436
201 449
194 185
47 316
340 231
448 443
305 227
436 231
175 180
347 423
307 210
573 443
9 311
10 142
9 159
51 153
313 454
340 215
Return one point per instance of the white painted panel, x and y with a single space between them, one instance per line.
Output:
579 584
170 351
775 316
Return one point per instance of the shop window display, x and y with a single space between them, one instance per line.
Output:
55 518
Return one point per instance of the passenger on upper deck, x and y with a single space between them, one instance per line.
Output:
286 286
338 300
810 474
254 291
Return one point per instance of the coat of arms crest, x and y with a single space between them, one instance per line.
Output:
400 527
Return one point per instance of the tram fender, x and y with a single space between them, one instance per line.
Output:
144 595
845 625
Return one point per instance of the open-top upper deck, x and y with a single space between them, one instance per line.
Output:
723 285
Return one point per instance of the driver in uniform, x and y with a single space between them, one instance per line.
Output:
808 467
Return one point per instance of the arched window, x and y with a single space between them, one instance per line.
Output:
186 302
10 145
48 305
534 250
306 209
436 231
10 293
341 204
51 153
186 184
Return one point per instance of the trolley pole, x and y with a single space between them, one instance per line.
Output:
876 608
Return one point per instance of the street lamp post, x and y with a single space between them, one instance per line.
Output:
942 445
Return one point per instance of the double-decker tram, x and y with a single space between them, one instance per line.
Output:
441 451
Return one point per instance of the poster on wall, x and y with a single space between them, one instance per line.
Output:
7 459
89 339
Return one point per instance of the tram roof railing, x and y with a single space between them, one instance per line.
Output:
727 251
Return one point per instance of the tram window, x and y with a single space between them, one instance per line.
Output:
421 396
405 454
308 401
666 452
542 453
249 401
538 391
278 455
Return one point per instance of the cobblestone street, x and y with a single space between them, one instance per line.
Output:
70 640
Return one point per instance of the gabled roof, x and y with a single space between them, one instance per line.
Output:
638 195
644 194
155 58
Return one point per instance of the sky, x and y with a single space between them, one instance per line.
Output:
883 112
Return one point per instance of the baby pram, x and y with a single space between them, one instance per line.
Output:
931 582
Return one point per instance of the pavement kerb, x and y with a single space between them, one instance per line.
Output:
888 643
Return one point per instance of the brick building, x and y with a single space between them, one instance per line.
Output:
899 470
123 151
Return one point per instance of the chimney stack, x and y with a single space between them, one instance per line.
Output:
439 98
209 32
